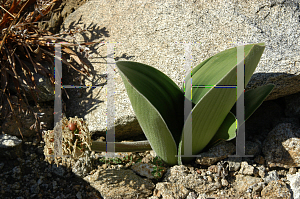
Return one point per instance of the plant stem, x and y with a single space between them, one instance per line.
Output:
138 146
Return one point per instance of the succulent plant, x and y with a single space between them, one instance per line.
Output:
159 103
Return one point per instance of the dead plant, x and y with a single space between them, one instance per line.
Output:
22 41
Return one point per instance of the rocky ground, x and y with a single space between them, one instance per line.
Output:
25 174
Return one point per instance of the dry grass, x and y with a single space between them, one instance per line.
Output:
22 41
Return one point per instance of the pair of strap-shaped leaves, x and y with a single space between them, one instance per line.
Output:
159 103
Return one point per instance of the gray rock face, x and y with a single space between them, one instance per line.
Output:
154 33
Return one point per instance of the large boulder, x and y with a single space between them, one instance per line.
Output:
155 33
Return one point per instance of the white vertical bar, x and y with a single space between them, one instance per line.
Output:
110 134
57 101
240 104
188 101
240 107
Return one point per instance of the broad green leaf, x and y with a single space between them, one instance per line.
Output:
226 132
213 104
212 70
254 98
158 104
208 115
188 78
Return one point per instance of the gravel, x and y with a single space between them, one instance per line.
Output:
29 176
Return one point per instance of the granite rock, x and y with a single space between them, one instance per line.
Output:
281 147
155 33
295 184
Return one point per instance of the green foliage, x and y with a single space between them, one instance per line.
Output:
159 103
157 167
116 160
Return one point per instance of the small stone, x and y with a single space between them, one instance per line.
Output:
292 170
246 169
45 186
17 172
76 187
208 173
243 182
58 170
261 171
224 182
152 153
123 183
104 166
209 179
33 156
78 195
258 187
271 176
35 189
281 147
10 146
213 168
192 195
54 183
294 183
40 181
276 189
16 185
234 164
156 193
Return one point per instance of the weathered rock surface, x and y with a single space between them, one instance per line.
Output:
295 184
276 189
282 145
154 33
244 182
120 184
